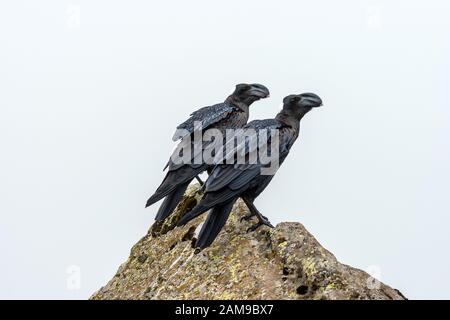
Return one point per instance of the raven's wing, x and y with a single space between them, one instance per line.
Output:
236 176
206 117
264 124
227 182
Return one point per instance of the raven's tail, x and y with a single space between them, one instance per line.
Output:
208 201
213 224
171 201
173 181
166 188
159 194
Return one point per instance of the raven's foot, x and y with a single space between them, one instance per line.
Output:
259 216
260 223
248 216
262 220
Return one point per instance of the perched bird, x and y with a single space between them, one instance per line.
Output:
228 182
231 114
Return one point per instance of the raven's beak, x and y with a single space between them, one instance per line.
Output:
313 100
258 90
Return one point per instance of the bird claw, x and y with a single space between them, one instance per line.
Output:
259 224
247 217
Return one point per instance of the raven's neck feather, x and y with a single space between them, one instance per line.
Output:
290 118
238 104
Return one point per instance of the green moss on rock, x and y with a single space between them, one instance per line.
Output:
283 263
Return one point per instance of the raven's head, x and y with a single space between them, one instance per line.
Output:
249 93
300 104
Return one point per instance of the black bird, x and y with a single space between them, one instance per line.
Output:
227 183
231 114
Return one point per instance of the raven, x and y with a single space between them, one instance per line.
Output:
231 114
227 182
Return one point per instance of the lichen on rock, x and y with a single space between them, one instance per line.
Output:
286 262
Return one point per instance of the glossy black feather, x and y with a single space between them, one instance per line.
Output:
173 179
231 114
171 201
213 224
207 116
235 176
228 182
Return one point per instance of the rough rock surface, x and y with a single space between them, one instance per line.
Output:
282 263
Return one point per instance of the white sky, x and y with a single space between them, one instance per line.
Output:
91 91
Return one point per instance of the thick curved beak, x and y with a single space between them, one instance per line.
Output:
313 100
258 90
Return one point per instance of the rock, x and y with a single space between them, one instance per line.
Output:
282 263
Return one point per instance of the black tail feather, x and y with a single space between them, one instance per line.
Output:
173 180
209 201
213 224
171 201
158 196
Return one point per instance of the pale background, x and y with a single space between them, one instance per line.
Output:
91 91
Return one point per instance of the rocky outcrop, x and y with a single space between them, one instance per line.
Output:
286 262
